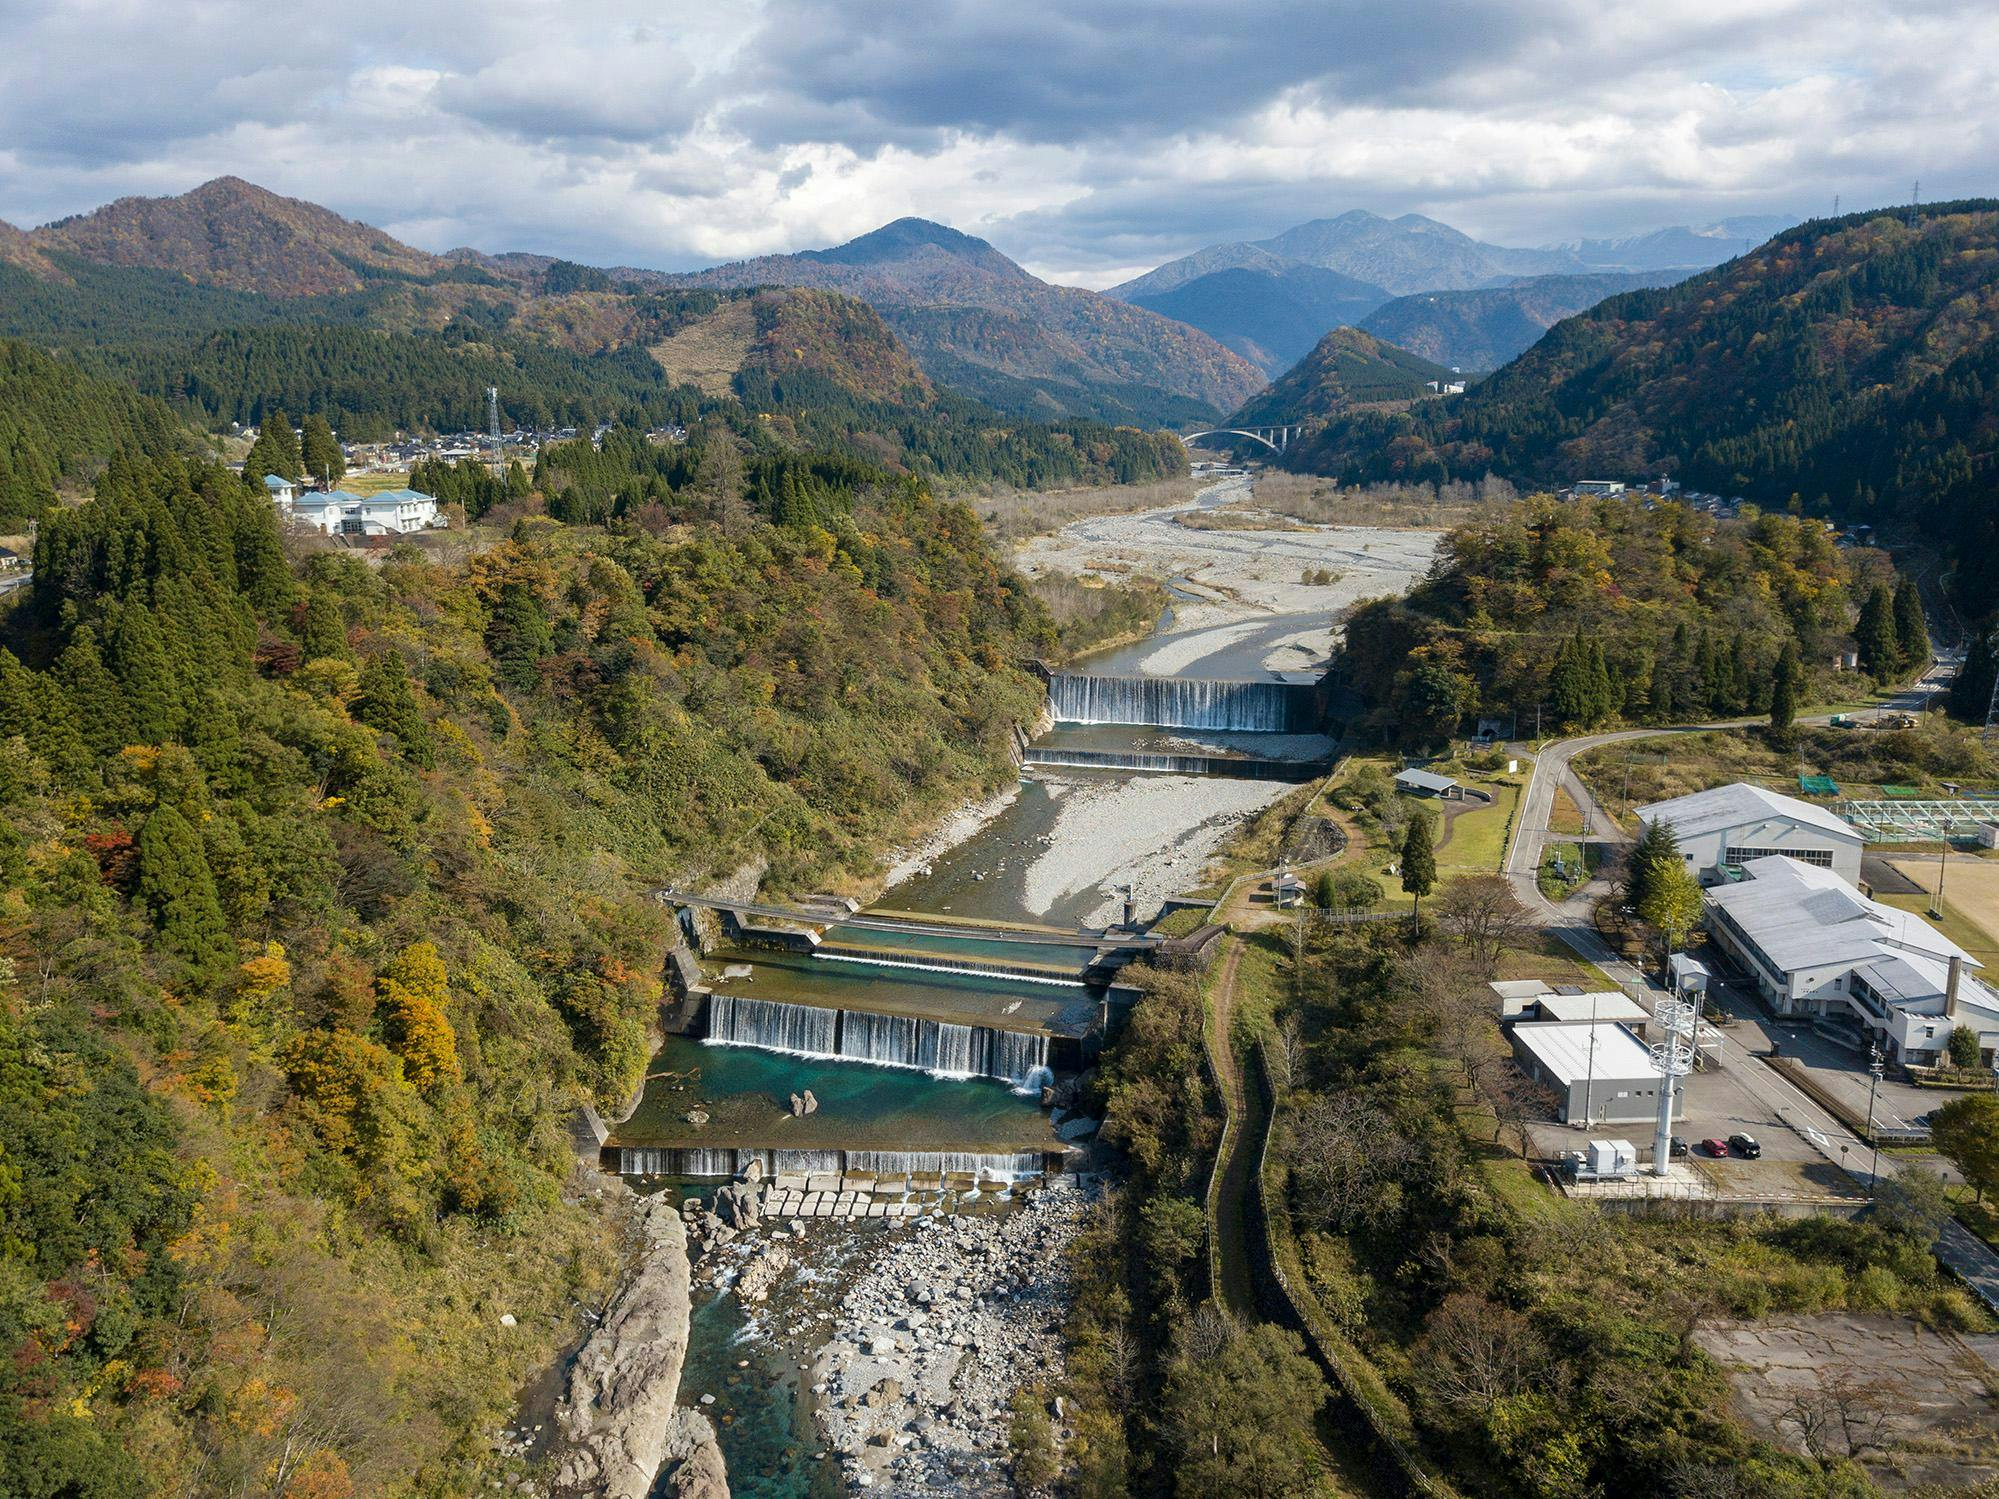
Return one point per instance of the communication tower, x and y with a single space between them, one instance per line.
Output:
493 428
1678 1021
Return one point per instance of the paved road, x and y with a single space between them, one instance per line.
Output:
1572 922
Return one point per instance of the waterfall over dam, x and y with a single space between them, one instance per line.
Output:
1185 703
723 1161
939 1047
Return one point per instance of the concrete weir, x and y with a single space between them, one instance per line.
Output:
1185 703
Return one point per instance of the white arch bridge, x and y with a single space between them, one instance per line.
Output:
1277 439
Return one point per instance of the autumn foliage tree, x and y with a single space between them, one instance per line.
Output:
414 994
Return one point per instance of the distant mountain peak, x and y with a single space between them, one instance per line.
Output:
897 239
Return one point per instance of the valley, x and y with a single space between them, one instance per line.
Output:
1074 849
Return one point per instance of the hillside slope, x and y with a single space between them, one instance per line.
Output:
58 428
1347 368
232 233
1270 316
1480 330
1848 362
958 303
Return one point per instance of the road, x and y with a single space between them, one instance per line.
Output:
1573 922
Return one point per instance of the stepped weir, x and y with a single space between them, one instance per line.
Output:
1185 703
939 1047
1239 767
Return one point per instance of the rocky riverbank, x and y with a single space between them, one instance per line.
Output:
620 1423
915 1334
933 1338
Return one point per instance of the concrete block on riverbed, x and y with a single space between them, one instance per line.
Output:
823 1181
891 1186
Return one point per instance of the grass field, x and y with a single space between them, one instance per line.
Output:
1970 904
1565 816
373 483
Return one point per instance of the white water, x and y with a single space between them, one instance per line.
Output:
939 1047
1184 703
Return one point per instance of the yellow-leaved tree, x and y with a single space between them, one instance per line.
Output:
413 989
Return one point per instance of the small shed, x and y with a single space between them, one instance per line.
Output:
1600 1073
1287 889
1427 783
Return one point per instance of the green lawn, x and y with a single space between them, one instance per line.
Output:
373 483
1955 925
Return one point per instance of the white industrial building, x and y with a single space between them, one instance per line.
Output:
1723 830
393 512
1601 1073
1814 945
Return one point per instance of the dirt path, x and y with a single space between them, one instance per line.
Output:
1235 1171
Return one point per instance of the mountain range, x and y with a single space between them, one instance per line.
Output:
1846 365
1247 295
1480 329
1347 369
972 318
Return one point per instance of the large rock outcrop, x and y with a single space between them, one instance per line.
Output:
620 1423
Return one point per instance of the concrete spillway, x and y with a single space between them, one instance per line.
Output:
686 1160
1185 703
939 1047
1241 767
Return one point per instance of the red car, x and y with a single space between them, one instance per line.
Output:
1715 1147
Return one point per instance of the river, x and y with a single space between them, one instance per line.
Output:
1070 849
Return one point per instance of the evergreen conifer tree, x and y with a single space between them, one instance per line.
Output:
1784 690
176 885
275 451
387 703
1971 690
518 636
94 694
1874 634
1912 636
319 451
146 675
1419 862
322 632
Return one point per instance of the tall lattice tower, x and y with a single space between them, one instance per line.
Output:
493 429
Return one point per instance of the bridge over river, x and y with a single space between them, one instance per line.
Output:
819 916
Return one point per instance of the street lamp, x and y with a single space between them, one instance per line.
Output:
1874 1065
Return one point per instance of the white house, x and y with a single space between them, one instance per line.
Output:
1723 829
393 512
1597 489
1814 945
1600 1073
282 492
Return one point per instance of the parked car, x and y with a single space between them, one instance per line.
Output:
1745 1146
1677 1148
1715 1147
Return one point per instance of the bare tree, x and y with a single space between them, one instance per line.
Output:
1482 912
1839 1415
1476 1353
1204 1335
1286 1050
1457 1007
1345 1150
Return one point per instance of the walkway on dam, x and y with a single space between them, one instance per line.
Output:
966 930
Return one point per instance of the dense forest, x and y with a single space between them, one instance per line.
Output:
1848 363
58 428
321 903
1616 609
818 371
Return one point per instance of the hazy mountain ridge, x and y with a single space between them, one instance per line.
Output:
1479 330
1345 369
1270 317
918 274
1847 362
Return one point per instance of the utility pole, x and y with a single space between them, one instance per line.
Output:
493 428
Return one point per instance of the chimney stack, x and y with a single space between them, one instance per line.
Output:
1950 986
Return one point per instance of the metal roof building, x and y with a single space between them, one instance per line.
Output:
1727 827
1599 1072
1425 783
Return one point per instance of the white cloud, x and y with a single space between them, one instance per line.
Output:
1086 137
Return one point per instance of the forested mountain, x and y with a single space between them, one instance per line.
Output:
1270 300
58 427
1848 363
323 902
1270 316
1480 330
233 234
976 320
1610 609
1347 368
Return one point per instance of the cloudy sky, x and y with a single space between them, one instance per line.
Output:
1090 139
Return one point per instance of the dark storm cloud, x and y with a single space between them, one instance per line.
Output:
1043 70
1090 138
